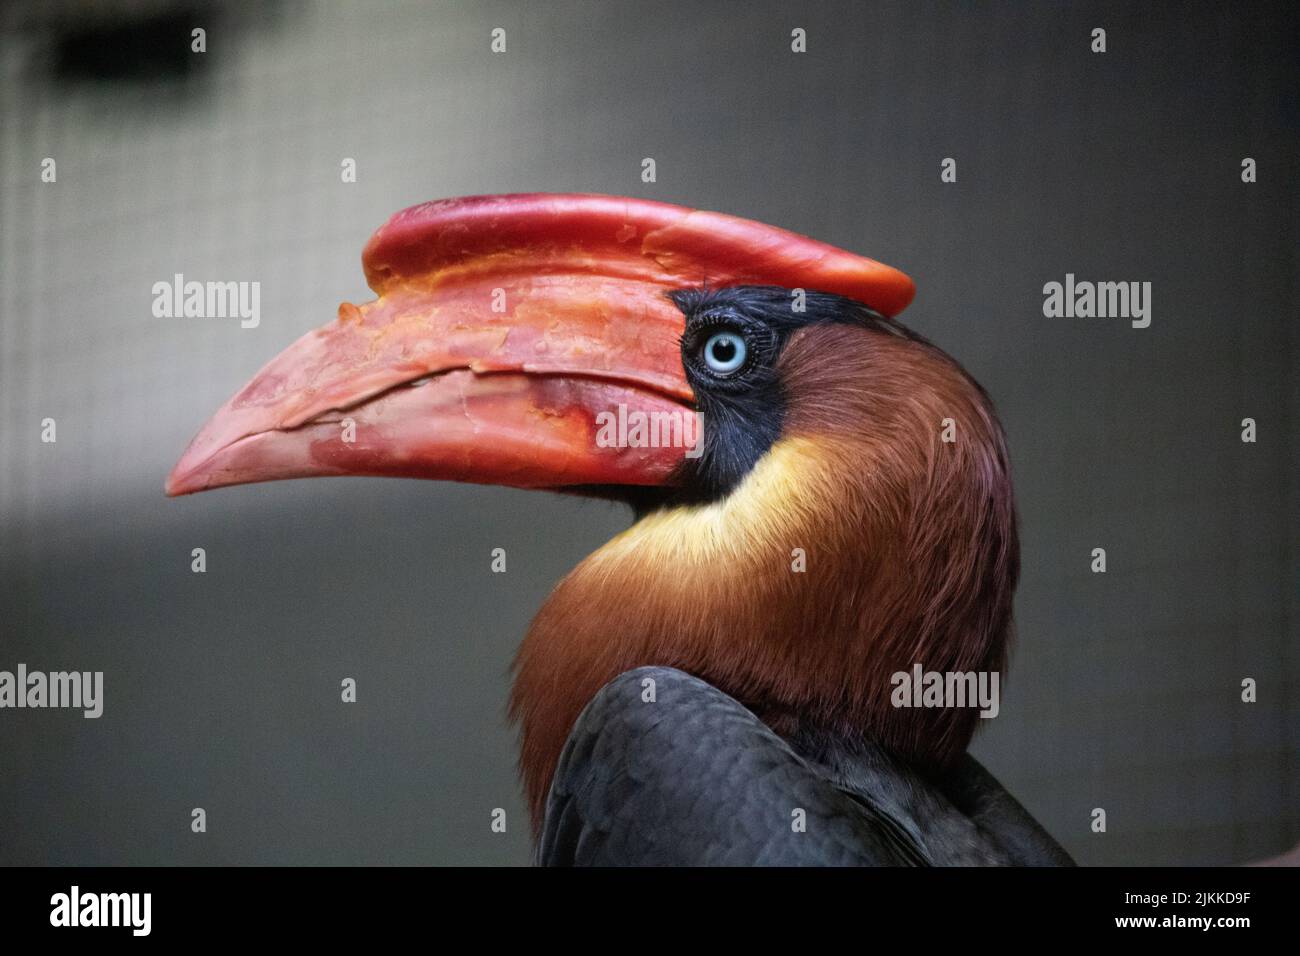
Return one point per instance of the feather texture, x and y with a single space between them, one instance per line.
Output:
911 557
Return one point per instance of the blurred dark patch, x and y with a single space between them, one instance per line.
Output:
136 42
155 47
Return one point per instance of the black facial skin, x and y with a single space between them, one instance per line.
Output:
742 411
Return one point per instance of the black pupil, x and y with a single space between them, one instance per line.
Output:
724 350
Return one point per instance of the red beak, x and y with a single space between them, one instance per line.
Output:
507 332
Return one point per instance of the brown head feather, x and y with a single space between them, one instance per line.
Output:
912 557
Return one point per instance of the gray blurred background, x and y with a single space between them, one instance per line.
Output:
222 689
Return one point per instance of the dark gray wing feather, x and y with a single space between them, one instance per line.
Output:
999 816
692 777
964 818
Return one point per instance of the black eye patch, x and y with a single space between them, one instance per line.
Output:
742 410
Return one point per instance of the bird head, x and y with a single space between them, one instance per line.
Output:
823 497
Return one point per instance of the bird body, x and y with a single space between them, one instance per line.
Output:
847 516
859 481
662 768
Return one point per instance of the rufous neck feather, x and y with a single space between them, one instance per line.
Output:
860 544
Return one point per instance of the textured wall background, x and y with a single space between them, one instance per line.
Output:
222 688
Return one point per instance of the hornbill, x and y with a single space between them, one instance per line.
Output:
714 685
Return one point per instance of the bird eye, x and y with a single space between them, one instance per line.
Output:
724 352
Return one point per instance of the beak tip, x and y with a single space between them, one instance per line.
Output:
187 476
174 486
